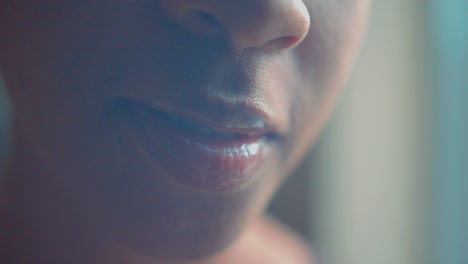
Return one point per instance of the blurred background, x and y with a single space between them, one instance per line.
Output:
388 180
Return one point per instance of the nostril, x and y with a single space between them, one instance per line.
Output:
281 43
268 25
202 22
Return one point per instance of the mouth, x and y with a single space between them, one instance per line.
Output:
198 152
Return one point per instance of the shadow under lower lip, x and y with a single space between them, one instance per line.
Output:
205 163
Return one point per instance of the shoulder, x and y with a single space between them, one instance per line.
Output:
279 244
267 241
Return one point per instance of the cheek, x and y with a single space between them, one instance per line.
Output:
323 63
331 44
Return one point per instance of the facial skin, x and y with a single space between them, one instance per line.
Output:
66 63
5 125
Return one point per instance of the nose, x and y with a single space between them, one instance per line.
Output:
270 25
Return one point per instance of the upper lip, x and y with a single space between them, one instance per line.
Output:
244 119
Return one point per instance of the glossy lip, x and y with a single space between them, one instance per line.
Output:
205 162
243 118
254 126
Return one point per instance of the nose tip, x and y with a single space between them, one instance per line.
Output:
270 25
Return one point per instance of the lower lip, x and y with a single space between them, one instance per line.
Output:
204 163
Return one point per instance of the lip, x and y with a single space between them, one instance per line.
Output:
197 151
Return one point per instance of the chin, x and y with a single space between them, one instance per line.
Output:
195 232
182 247
171 221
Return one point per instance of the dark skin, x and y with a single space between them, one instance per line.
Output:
80 190
5 120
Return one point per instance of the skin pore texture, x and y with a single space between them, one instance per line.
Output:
110 160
